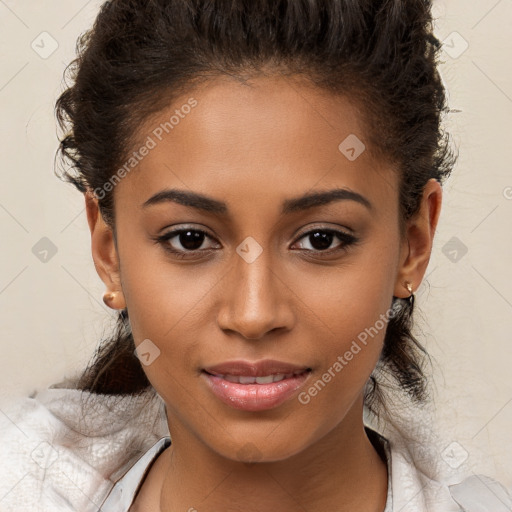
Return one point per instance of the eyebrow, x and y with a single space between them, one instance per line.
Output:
211 205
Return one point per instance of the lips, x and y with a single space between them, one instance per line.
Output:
263 368
255 386
267 379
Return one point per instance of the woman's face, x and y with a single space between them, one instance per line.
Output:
270 279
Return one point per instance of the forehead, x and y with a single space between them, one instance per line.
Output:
273 136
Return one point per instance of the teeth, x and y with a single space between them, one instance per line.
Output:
264 380
267 379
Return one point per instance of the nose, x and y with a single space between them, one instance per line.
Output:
255 300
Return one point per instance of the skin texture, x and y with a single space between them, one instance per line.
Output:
254 146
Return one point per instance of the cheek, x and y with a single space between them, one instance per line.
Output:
345 301
350 349
160 295
349 325
348 317
170 305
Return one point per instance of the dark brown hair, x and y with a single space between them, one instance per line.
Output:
141 54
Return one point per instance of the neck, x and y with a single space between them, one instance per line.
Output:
341 472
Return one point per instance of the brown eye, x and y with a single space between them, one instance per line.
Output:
183 241
321 240
190 240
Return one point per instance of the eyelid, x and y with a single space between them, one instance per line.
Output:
346 241
338 229
184 227
176 231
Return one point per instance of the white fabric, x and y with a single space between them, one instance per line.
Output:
123 493
63 450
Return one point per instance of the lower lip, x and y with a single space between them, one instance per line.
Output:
255 397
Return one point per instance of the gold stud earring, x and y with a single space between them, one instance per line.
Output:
108 297
114 300
409 299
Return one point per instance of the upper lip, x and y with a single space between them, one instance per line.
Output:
255 368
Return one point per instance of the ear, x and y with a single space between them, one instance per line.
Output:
104 251
417 247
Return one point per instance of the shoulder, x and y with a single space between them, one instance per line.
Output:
416 487
40 465
62 449
425 476
481 493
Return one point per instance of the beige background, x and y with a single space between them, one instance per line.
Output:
52 315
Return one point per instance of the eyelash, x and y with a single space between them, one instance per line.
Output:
346 239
